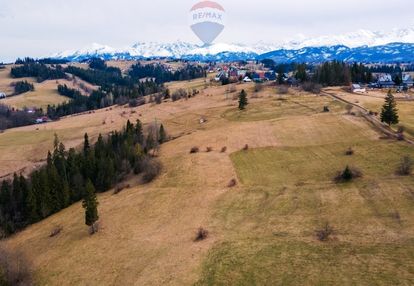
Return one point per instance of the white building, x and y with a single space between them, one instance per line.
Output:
356 88
2 95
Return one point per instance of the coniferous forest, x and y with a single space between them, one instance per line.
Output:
39 71
61 182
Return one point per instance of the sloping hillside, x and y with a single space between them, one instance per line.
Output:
263 230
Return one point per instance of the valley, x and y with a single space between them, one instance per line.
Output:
261 231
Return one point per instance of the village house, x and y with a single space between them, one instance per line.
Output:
270 75
407 80
43 119
147 79
356 88
385 81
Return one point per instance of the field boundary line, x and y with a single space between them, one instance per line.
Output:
371 119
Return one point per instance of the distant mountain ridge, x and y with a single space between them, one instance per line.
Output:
361 46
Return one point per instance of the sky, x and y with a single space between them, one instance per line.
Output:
39 28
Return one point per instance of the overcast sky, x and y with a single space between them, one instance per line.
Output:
42 27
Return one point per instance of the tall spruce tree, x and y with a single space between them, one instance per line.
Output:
389 113
86 145
30 206
163 135
90 204
243 100
139 133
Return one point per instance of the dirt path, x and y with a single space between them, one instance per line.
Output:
373 120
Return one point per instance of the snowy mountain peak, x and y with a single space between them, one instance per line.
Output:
355 39
221 51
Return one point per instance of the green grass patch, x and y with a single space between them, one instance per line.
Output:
274 261
316 164
275 108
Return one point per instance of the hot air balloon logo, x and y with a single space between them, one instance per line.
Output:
207 20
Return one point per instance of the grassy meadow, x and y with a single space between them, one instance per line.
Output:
263 230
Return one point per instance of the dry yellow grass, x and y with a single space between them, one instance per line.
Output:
45 94
6 81
374 100
261 231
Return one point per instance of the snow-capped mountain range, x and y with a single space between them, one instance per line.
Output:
363 45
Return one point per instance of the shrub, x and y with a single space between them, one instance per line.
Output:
224 149
136 102
400 133
194 150
232 183
312 87
324 233
405 168
151 169
349 108
122 100
195 92
179 94
326 109
396 216
94 228
349 152
158 98
56 231
120 188
14 269
348 175
232 88
246 147
258 87
209 149
202 234
283 89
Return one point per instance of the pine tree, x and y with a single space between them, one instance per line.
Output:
139 132
56 143
389 113
17 196
90 204
55 188
30 206
347 174
44 198
86 145
162 135
65 196
243 100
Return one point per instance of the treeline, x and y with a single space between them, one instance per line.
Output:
104 78
22 87
61 182
98 64
78 103
101 98
46 61
332 74
40 71
163 75
10 117
392 69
